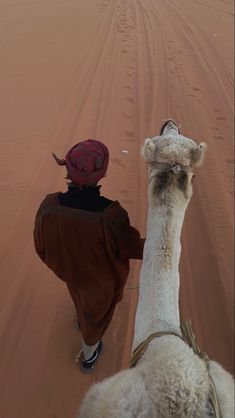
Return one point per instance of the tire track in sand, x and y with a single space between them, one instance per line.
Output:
206 116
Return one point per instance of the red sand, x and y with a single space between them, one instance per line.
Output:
71 70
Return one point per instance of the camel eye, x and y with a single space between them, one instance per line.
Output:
193 177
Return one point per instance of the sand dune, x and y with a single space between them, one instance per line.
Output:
111 69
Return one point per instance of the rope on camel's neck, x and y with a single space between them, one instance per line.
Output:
189 338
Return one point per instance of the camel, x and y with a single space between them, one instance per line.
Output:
169 379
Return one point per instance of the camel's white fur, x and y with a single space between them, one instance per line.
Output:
169 380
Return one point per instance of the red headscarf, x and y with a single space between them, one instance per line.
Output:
86 162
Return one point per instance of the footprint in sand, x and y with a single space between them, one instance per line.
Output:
217 137
118 162
214 128
221 118
126 116
130 99
128 202
130 134
196 89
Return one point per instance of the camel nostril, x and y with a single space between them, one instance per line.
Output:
171 125
168 125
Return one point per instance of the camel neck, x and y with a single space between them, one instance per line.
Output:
158 306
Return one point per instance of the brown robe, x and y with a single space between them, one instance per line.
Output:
90 251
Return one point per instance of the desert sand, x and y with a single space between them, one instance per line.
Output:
113 70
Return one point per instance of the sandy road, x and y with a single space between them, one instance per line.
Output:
112 69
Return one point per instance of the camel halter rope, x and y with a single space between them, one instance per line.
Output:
175 167
189 338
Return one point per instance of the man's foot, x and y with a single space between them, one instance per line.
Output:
87 366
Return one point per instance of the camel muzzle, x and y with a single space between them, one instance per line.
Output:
168 125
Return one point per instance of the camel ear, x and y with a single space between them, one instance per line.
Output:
198 154
148 150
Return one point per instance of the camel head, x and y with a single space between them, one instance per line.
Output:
171 158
